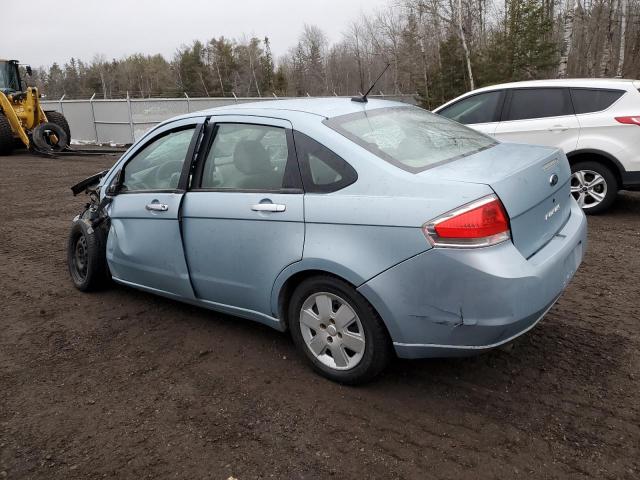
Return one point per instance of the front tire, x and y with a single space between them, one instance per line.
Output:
86 257
338 331
593 186
6 136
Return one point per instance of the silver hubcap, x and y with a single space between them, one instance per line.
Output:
588 188
332 331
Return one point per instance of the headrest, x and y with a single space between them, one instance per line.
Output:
251 158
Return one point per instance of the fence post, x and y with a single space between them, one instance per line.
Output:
188 102
93 116
133 137
60 102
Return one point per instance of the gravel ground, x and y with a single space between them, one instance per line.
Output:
121 383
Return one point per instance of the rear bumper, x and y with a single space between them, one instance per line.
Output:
447 302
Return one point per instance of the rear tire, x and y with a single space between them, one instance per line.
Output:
347 341
60 120
86 257
41 137
6 136
594 186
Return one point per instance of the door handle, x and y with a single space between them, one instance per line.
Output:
268 207
157 207
558 128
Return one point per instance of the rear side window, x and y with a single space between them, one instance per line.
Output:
481 108
538 103
246 157
322 170
409 137
587 100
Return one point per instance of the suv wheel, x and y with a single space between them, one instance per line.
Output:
593 186
338 331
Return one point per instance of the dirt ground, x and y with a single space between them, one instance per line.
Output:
124 384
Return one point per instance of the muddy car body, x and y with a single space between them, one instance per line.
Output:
363 228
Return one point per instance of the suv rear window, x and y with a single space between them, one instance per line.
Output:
529 103
409 137
587 100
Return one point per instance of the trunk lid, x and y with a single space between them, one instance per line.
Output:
533 183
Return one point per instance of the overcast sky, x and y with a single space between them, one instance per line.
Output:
57 31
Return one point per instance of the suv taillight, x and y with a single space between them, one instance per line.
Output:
635 120
477 224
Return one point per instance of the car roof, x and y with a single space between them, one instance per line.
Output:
325 107
613 83
564 82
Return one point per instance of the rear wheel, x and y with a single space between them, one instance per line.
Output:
6 136
60 120
593 186
338 331
86 257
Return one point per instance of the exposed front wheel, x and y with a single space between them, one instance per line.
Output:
86 257
593 186
338 331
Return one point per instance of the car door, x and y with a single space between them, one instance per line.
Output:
541 116
144 246
480 111
243 220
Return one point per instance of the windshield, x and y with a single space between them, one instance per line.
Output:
409 137
9 77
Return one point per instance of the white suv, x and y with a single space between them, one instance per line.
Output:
595 121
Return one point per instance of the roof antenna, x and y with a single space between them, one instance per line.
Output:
363 98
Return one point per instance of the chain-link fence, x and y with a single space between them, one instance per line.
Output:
122 121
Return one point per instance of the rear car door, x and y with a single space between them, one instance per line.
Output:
540 116
144 246
480 111
243 219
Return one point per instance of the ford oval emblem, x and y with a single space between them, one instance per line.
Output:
553 181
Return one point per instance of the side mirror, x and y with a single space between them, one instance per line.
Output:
29 70
114 186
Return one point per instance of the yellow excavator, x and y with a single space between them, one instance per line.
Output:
22 119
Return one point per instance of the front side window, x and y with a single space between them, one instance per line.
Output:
409 137
246 157
481 108
158 165
587 100
538 103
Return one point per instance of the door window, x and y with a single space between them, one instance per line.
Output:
322 170
481 108
587 100
246 157
158 165
538 103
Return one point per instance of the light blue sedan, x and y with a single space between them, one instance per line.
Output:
363 228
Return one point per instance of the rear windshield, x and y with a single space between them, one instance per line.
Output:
409 137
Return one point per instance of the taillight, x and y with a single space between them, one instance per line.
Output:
477 224
635 120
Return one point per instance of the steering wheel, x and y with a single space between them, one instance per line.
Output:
166 172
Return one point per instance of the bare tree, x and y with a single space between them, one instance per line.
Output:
623 34
463 39
567 35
